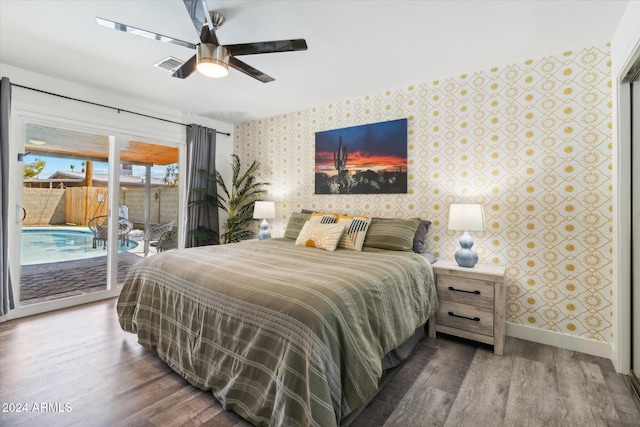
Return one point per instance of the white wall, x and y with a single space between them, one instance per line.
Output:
624 48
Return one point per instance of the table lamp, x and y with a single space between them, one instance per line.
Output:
264 211
466 217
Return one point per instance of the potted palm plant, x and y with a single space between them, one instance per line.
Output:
236 200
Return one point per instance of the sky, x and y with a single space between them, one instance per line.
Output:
55 164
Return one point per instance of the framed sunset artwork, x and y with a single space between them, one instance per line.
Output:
367 159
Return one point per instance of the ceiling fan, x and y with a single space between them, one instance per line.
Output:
211 58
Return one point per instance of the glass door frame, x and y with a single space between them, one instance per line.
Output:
118 140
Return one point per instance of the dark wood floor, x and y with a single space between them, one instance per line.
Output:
76 367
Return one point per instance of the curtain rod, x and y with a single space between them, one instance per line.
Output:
108 106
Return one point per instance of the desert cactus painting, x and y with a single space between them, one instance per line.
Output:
367 159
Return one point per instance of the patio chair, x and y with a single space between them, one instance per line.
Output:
99 226
124 228
123 212
167 241
156 234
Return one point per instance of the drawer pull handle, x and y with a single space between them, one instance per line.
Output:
451 288
475 319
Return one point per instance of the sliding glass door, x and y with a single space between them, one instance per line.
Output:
92 205
66 230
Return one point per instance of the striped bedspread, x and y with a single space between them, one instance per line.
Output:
284 335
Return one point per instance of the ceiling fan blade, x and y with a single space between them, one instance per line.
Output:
208 36
267 47
199 14
249 70
186 69
144 33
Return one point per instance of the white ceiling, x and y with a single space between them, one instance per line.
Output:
356 48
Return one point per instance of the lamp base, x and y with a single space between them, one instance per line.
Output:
464 256
264 232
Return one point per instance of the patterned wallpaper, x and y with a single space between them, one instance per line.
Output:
530 141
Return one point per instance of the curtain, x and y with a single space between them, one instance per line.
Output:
6 291
201 154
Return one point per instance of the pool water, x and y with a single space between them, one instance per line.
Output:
41 246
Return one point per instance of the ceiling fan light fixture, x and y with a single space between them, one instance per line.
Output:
212 60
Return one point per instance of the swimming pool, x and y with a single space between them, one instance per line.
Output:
45 245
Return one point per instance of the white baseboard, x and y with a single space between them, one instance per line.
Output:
583 345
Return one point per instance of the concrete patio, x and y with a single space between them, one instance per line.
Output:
45 282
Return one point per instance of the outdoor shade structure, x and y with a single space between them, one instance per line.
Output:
466 217
90 146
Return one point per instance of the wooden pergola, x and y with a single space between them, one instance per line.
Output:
65 143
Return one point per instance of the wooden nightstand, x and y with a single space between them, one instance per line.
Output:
472 302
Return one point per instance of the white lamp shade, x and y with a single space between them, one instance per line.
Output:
264 210
466 217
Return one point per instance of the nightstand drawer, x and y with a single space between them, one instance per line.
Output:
465 291
466 317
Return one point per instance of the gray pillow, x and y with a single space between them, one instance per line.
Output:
420 238
296 221
391 234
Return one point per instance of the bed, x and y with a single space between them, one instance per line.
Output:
282 334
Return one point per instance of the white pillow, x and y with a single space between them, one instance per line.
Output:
322 236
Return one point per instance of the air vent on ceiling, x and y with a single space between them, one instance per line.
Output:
169 64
